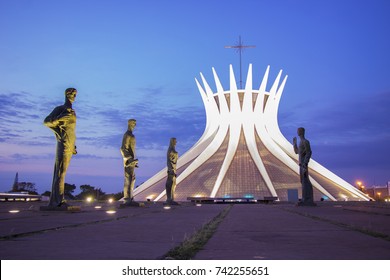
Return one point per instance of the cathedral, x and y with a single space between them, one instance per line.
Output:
242 152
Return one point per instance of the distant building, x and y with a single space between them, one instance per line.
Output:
378 192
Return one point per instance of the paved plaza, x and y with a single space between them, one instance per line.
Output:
277 231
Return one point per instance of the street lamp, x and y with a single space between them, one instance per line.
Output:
360 185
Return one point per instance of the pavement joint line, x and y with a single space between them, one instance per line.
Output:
187 249
13 218
367 212
345 225
24 234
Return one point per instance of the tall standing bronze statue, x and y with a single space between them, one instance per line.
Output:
170 186
62 121
129 163
304 152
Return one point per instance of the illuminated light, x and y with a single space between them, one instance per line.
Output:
200 195
359 183
13 211
110 211
89 199
167 207
198 204
111 200
98 207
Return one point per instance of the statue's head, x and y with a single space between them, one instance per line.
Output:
172 142
131 123
70 94
301 131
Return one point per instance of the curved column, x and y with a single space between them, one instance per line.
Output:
271 112
211 127
260 118
231 119
249 118
264 131
218 139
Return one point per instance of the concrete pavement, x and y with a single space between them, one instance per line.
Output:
130 233
285 232
355 230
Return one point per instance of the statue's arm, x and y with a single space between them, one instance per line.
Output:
173 157
127 150
295 145
52 119
58 116
308 153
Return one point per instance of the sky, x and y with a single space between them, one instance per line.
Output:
138 59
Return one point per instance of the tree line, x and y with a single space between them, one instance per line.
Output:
85 191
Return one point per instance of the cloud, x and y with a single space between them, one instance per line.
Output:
100 128
342 121
345 134
157 121
19 117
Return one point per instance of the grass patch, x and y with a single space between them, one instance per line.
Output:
190 246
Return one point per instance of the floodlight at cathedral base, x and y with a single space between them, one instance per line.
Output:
242 150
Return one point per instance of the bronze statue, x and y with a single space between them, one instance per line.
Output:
170 185
129 163
62 121
304 152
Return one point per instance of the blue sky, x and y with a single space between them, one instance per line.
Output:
138 59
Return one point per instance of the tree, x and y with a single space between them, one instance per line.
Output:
89 191
16 182
114 196
46 193
26 187
69 189
86 188
118 196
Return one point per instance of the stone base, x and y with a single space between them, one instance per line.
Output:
61 208
131 204
301 203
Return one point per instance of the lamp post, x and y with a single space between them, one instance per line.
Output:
360 186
